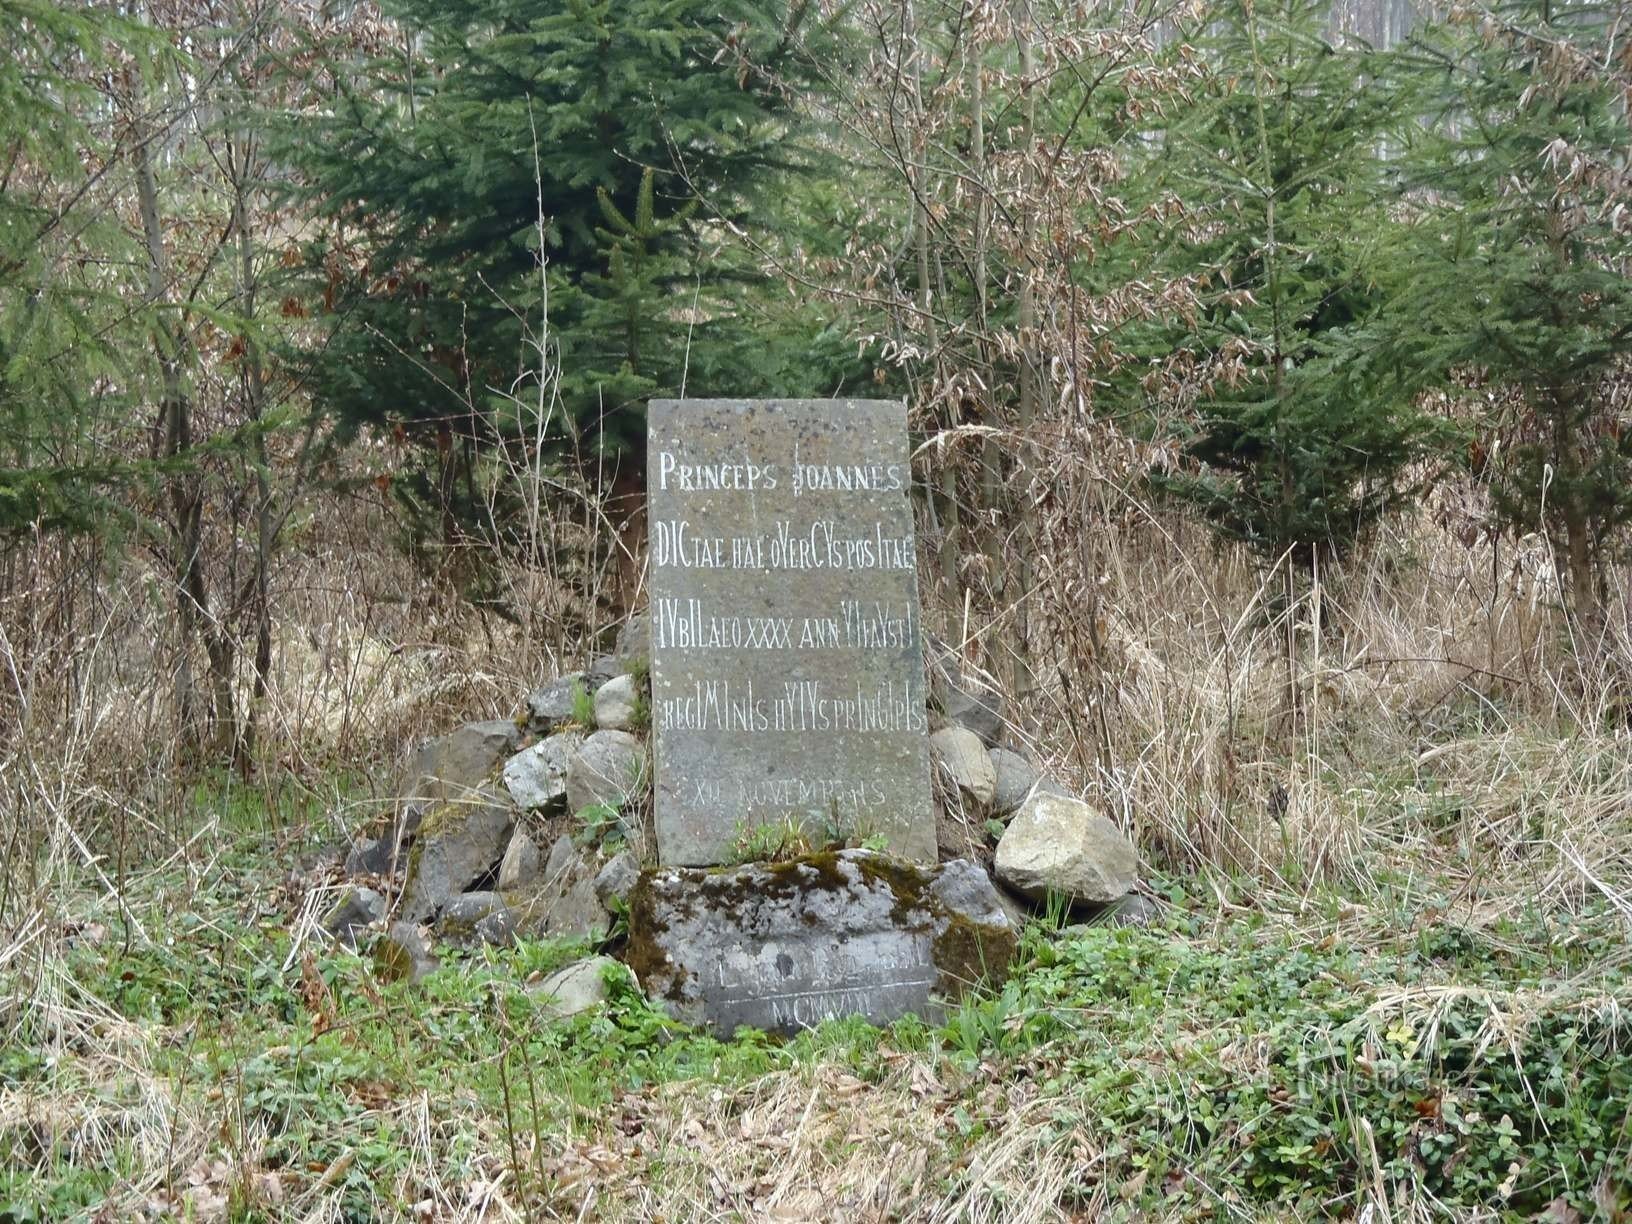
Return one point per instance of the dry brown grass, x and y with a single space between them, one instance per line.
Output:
1435 711
1435 716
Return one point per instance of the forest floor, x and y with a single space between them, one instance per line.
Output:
189 1051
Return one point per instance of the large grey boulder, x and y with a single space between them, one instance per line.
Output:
1015 776
962 760
616 702
536 777
608 768
1063 846
784 946
454 764
550 705
577 988
458 843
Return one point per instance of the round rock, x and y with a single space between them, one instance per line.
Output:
962 758
550 705
1015 776
578 987
536 777
615 703
1064 846
608 768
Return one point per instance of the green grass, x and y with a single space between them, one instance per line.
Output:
1238 1062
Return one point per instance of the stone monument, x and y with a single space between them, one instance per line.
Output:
786 644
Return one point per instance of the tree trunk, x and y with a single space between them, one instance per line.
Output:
185 492
1030 379
1583 574
991 454
913 46
265 523
1579 572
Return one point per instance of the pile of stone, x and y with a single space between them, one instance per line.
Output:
538 827
1053 842
528 827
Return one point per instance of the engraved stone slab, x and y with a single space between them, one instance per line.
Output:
786 665
784 946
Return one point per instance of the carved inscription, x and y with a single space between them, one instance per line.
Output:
787 675
795 984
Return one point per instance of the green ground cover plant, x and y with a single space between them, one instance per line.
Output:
1251 1055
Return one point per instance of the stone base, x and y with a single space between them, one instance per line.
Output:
785 946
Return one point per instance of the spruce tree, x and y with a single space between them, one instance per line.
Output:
1518 180
61 310
1298 442
533 189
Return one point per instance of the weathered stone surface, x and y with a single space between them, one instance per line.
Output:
966 890
609 767
602 669
374 856
451 765
1064 846
568 911
458 843
616 879
551 705
520 866
562 855
962 760
1133 910
615 703
787 665
1018 910
480 917
785 946
634 648
564 903
357 910
1047 785
536 777
1014 777
402 953
964 695
577 988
